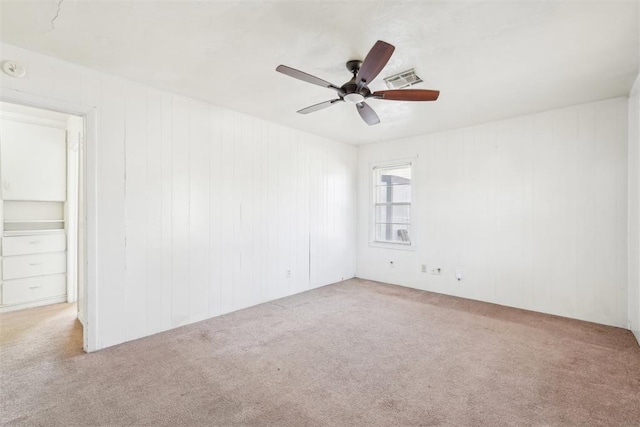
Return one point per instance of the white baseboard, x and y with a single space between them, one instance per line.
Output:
31 304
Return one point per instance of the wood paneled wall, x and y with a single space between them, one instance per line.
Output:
200 210
531 210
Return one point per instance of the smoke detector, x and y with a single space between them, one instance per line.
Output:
14 69
403 79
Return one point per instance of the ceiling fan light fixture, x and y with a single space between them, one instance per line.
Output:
354 98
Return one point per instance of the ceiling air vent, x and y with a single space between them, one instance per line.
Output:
403 79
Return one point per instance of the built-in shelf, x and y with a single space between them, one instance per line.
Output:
39 221
32 214
28 226
13 233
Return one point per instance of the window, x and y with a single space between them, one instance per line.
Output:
392 204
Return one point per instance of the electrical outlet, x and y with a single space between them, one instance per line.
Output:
391 264
459 275
288 274
423 268
437 272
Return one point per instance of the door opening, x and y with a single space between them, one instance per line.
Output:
42 226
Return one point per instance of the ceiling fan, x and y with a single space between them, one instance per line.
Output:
355 91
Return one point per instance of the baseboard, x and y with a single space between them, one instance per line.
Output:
31 304
489 301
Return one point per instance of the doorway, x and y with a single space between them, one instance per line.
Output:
42 227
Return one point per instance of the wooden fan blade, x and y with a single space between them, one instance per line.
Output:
319 106
374 62
407 95
300 75
367 114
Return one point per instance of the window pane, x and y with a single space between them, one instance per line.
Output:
393 175
395 233
393 214
392 203
400 193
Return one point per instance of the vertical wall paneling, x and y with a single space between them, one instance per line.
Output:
532 210
314 212
110 207
90 87
215 211
622 203
136 222
199 193
272 211
284 212
587 241
238 165
245 169
199 210
304 195
154 182
262 232
180 212
166 186
227 212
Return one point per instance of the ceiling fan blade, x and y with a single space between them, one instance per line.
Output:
367 114
407 95
374 62
320 106
300 75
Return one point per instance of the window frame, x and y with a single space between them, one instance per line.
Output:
410 246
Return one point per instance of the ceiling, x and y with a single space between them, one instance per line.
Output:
490 60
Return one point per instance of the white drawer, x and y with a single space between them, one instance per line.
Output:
22 245
15 267
34 288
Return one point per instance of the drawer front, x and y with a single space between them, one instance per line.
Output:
23 245
32 289
15 267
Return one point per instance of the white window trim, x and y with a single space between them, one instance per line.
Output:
372 202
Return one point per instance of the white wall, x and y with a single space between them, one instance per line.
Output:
634 209
200 210
532 210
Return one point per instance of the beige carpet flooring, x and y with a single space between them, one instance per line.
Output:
356 353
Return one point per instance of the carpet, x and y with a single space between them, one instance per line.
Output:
355 353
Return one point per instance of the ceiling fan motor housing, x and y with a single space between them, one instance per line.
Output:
350 91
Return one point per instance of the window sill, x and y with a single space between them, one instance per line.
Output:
393 246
